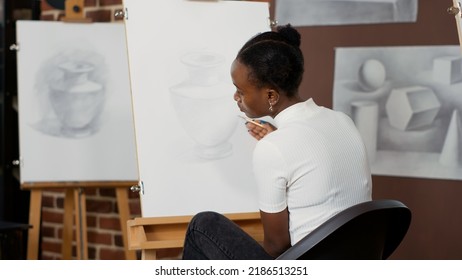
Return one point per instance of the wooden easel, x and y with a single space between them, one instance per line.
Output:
456 11
74 11
74 201
74 207
151 235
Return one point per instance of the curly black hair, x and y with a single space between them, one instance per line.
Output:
274 59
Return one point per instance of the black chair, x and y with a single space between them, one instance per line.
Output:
367 231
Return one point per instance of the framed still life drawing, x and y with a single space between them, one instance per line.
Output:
406 103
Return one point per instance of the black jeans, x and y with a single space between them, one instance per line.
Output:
212 236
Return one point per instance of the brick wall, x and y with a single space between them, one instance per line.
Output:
104 233
96 10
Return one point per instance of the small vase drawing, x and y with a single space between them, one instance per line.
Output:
204 105
76 100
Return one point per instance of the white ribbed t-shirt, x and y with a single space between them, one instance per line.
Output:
315 164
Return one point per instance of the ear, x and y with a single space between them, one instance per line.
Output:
273 96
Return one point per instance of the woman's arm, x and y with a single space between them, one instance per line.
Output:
276 232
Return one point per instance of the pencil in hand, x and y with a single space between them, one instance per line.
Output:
251 121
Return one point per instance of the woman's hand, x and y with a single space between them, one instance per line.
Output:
258 132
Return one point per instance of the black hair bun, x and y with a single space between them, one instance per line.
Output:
290 35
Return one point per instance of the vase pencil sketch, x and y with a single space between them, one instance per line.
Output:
204 105
77 100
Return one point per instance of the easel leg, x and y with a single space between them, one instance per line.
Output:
81 224
35 212
124 216
66 249
149 254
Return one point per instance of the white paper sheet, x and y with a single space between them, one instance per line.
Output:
194 152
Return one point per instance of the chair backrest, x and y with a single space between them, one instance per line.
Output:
366 231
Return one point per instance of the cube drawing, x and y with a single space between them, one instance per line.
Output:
447 69
412 107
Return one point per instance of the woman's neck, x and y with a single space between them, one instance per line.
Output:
284 103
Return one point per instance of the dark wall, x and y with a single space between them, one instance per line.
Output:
436 229
14 203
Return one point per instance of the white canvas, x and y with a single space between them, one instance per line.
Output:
75 115
194 152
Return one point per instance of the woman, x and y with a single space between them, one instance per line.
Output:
309 166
